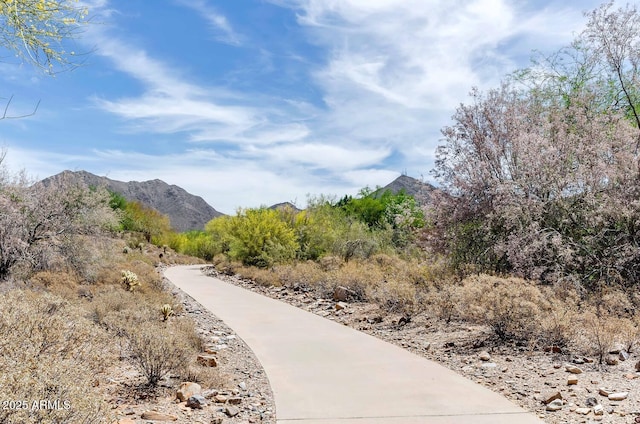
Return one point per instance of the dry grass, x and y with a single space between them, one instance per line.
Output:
50 352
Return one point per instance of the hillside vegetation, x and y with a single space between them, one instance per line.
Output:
534 233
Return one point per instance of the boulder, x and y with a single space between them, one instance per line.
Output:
187 390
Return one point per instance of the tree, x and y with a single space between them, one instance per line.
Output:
36 29
540 187
603 61
36 219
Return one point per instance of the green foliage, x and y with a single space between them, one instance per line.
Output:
149 222
255 236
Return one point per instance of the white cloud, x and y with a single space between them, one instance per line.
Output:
223 30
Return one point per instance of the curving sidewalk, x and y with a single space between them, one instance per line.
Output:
322 372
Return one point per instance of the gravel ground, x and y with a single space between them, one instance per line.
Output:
242 393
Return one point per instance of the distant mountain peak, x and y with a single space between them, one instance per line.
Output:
185 211
420 190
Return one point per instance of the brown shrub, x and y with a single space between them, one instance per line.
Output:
444 301
599 333
49 352
510 306
158 349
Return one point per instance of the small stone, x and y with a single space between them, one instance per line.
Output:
591 402
555 405
187 390
598 410
124 421
577 360
604 392
623 355
630 376
583 411
342 294
572 381
157 416
196 402
489 365
573 369
484 356
638 366
231 411
234 401
220 398
618 396
340 306
207 360
611 360
550 397
243 386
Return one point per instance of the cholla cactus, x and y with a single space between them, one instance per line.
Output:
130 280
167 311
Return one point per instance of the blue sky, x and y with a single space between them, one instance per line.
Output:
250 103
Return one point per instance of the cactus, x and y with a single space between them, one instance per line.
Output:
167 311
130 280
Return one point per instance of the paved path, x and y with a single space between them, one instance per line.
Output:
322 372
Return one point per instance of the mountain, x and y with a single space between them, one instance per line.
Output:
185 211
421 191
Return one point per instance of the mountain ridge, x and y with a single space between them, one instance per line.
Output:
186 211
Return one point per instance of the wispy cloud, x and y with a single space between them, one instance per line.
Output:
220 25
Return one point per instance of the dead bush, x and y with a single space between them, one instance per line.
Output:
159 349
444 302
510 306
50 353
599 333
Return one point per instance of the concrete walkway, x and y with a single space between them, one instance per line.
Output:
322 372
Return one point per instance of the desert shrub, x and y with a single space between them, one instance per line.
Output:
599 333
48 351
307 274
158 349
444 301
510 306
394 295
255 237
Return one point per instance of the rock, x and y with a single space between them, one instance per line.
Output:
550 397
591 402
234 401
577 360
340 306
484 356
618 396
638 366
630 376
157 416
231 411
623 355
604 392
598 410
611 360
243 386
207 360
573 369
124 421
196 402
220 398
555 405
217 420
583 411
572 381
617 348
342 294
187 390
